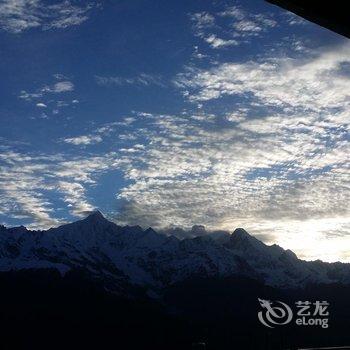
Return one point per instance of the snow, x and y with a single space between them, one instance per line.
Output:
147 258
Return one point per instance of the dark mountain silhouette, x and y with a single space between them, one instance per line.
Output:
93 283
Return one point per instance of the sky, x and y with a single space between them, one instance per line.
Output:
175 113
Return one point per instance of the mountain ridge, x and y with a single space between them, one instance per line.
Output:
128 255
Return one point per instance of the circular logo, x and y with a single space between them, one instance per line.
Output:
274 313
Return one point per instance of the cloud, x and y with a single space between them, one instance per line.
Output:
141 80
62 86
57 88
83 140
238 115
203 25
59 76
74 195
247 24
51 96
216 42
202 20
292 19
242 26
17 16
312 84
28 182
28 96
100 133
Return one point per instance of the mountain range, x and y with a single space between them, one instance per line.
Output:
121 257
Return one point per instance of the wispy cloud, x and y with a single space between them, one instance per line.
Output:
83 140
204 25
17 16
74 195
216 42
293 19
99 134
53 96
41 105
243 25
310 84
202 20
27 180
142 80
248 24
62 86
57 88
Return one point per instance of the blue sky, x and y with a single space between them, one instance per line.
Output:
175 113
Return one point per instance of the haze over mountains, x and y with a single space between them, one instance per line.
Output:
120 257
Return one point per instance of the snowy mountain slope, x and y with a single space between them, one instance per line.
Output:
130 255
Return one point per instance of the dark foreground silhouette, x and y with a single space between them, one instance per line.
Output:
40 309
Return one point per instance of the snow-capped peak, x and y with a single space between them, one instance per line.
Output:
148 258
96 215
243 241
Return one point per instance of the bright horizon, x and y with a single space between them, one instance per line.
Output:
219 113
